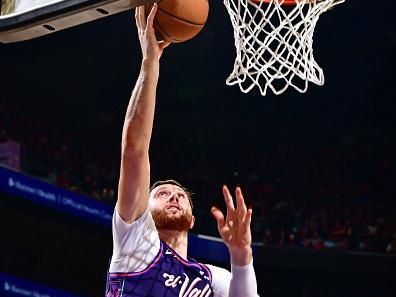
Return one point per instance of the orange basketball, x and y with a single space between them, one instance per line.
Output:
179 20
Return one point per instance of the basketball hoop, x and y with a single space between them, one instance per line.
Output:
273 41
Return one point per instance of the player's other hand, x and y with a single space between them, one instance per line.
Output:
234 229
151 48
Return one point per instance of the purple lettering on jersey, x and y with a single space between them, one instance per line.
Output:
169 275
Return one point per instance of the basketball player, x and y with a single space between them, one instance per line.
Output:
150 226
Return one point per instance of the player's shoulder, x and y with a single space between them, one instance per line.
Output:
221 279
218 272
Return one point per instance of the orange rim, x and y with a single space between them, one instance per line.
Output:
283 2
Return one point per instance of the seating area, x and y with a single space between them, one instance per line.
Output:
328 192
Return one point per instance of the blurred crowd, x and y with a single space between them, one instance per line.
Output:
307 194
60 155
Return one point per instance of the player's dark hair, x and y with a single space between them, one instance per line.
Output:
176 183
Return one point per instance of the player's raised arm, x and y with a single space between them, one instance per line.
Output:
234 229
134 180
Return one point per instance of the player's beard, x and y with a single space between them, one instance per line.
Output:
164 220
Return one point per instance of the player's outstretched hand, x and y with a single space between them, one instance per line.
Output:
151 48
234 229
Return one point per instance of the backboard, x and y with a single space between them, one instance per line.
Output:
56 15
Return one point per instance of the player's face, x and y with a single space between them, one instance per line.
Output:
170 207
169 197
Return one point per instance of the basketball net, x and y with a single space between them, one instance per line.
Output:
274 43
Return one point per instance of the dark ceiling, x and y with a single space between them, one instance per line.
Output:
85 74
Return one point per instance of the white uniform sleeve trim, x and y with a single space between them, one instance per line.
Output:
240 282
221 279
135 245
243 281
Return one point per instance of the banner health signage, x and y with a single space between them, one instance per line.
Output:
24 186
15 287
20 185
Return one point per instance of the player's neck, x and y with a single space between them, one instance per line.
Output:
177 240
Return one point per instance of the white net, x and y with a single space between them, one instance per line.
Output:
274 44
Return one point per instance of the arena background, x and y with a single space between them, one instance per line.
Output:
318 168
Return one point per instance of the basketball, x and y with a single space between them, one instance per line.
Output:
179 20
